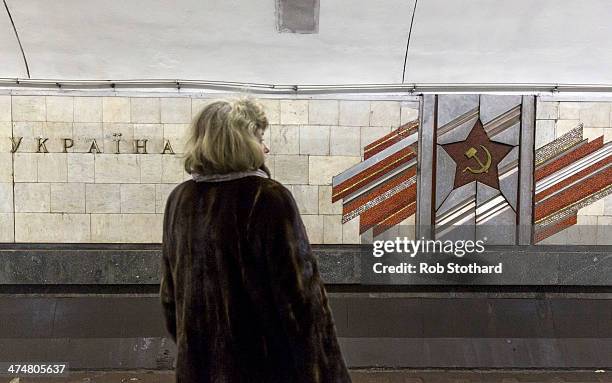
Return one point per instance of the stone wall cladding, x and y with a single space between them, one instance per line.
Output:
7 209
105 197
112 198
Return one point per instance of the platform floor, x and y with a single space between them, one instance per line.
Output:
359 376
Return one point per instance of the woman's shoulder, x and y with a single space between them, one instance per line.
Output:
270 185
180 188
273 192
266 191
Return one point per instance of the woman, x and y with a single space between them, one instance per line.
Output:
240 287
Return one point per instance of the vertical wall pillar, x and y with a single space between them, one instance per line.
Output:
425 169
526 166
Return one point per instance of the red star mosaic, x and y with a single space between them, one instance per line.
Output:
477 158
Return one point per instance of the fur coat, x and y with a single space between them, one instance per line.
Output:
240 288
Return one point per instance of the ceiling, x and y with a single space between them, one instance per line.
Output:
358 41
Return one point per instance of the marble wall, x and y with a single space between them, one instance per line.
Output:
77 196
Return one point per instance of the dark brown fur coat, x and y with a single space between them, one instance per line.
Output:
240 287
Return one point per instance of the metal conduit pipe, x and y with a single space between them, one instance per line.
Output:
409 88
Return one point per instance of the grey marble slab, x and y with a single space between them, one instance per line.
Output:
445 175
492 106
451 106
339 264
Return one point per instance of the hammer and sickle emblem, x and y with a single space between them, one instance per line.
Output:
472 153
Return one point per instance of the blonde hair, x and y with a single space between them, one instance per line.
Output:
223 137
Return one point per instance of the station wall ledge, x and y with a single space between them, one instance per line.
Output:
139 264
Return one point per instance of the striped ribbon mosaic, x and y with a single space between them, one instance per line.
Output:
570 173
381 189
